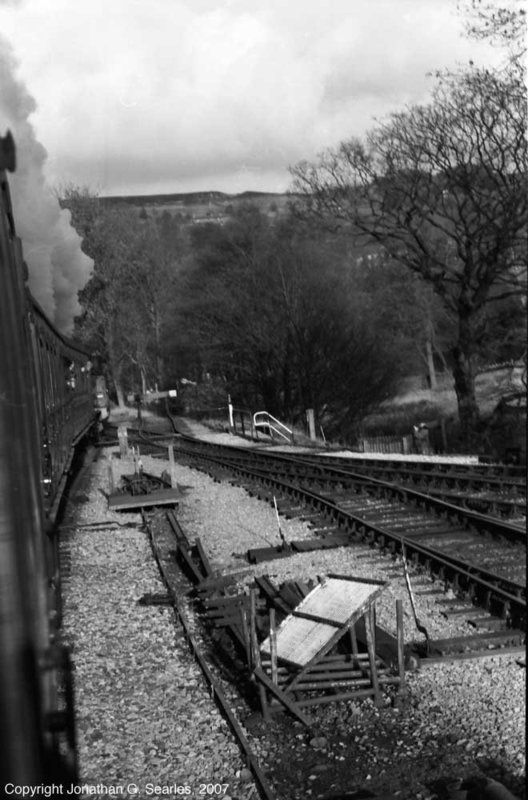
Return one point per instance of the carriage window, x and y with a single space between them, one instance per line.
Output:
69 370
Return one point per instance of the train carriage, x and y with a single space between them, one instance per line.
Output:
46 407
64 398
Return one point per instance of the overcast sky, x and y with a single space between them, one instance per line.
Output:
145 96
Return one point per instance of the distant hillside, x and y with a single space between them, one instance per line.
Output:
200 207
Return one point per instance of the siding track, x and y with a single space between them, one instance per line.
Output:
478 556
495 489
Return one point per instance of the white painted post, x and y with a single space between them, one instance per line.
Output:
230 410
311 422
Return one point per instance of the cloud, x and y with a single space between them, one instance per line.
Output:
138 96
57 266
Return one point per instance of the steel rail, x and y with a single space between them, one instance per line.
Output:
417 471
453 512
511 504
506 495
217 693
412 475
498 474
436 503
483 478
484 470
451 658
493 592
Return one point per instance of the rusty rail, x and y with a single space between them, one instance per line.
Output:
217 693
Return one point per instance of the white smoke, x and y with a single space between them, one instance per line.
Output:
52 249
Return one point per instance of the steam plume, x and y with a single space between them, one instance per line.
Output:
52 249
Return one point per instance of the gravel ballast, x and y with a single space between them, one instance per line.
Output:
144 715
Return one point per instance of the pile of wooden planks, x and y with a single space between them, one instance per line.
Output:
315 655
297 650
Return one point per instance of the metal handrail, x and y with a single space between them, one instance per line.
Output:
266 423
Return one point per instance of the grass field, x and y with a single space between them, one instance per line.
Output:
401 412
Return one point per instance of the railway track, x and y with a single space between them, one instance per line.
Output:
480 558
300 758
474 471
164 537
338 474
496 490
166 534
492 497
490 488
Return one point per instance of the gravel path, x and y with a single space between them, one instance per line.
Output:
144 716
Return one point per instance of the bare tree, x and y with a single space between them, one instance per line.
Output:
501 23
442 189
270 318
125 302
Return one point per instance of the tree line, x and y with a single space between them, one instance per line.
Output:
403 250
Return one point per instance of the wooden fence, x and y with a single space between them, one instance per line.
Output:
386 444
